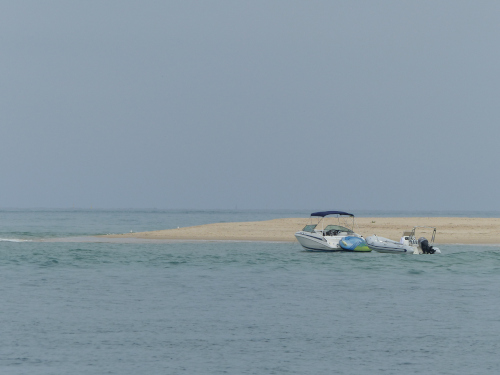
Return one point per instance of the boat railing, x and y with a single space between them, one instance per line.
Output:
413 236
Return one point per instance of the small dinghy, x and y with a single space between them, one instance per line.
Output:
408 243
385 245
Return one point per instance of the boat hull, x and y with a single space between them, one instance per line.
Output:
316 242
385 245
310 242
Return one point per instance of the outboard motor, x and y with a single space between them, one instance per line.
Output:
424 245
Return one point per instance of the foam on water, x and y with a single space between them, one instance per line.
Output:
13 240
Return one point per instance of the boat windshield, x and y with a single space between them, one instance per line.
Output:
337 227
309 228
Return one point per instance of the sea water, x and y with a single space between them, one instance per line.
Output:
234 307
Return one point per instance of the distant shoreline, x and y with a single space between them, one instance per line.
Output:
450 230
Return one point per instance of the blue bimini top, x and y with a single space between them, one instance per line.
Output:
326 213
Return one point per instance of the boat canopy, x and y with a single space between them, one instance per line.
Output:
326 213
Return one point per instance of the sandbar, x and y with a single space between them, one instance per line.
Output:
450 230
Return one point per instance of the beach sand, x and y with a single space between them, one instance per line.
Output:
450 230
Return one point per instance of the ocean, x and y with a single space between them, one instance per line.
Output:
235 307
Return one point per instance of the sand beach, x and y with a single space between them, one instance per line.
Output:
450 230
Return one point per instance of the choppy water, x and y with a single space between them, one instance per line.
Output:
238 308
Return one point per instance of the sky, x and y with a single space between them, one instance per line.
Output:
348 105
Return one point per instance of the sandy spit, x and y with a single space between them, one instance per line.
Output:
450 230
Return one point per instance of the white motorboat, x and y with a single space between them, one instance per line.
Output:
408 244
317 237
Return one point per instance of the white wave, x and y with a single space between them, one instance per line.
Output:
13 240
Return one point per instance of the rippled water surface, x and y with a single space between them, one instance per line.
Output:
243 308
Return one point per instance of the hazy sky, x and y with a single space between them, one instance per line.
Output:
353 105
